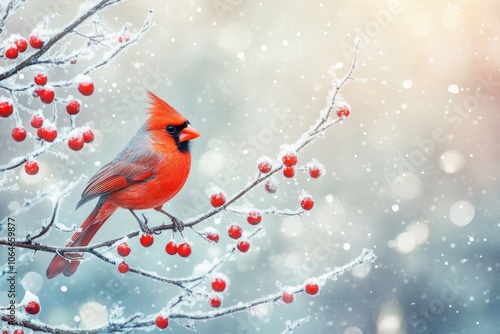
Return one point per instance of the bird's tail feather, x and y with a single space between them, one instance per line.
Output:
66 265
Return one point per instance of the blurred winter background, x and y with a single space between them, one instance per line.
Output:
412 173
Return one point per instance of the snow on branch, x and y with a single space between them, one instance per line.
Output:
45 49
175 311
293 325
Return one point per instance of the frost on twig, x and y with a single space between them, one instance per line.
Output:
8 8
293 325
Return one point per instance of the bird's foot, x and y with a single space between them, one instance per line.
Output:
178 225
144 225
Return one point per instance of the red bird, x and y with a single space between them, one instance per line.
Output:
146 174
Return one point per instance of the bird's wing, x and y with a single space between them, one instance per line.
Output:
129 167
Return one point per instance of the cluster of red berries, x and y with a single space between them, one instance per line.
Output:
310 287
218 199
48 133
290 160
46 93
20 44
124 37
123 250
235 232
219 284
147 240
183 249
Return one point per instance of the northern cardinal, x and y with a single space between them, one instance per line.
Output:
147 173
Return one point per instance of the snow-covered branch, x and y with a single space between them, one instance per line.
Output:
175 311
191 289
293 325
48 48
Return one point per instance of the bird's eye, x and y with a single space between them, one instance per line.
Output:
170 129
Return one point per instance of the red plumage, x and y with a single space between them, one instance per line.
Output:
147 173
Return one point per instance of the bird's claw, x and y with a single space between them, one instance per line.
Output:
144 225
178 224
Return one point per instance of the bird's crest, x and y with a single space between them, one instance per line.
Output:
161 113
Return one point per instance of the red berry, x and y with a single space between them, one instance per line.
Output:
243 246
47 133
18 331
123 267
290 159
19 133
343 112
147 240
254 217
311 288
36 121
234 231
86 88
171 248
215 301
36 42
88 136
21 44
287 297
40 79
73 61
307 202
161 322
264 166
76 142
271 186
314 172
73 107
289 172
46 95
12 52
6 108
31 167
184 249
219 284
217 199
214 237
32 307
123 249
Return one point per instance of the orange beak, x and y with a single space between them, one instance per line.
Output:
188 133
